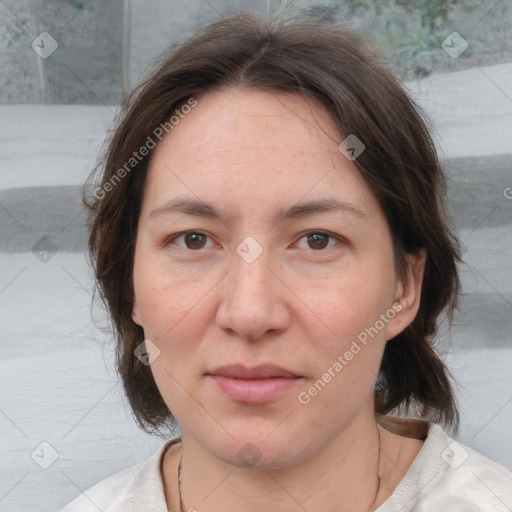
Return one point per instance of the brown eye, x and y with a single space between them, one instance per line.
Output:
318 240
193 240
196 240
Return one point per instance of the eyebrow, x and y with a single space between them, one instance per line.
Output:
200 208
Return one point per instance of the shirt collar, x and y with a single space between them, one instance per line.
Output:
148 487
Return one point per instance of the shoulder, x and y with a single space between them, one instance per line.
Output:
448 475
120 491
108 494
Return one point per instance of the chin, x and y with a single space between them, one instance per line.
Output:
250 447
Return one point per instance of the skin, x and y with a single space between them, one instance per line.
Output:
298 305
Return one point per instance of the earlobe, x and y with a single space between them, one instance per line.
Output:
136 314
408 294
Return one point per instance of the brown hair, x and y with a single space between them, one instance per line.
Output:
339 69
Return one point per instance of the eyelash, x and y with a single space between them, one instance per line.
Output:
171 239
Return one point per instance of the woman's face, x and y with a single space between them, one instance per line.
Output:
266 280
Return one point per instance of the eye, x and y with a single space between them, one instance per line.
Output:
318 240
193 240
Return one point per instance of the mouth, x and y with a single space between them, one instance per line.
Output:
257 385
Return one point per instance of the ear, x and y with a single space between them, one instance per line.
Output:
408 294
136 314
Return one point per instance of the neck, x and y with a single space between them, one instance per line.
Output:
343 476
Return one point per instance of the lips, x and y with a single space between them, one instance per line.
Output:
264 371
258 385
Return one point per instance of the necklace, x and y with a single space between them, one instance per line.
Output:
182 508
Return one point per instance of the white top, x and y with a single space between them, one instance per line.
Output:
445 476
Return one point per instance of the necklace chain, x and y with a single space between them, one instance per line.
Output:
182 508
180 466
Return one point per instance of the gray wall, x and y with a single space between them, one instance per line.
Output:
58 384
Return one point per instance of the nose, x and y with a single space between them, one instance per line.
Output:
253 299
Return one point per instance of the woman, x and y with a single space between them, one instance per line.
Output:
269 221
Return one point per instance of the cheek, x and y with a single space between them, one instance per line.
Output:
173 382
352 303
348 348
165 299
174 319
346 363
342 387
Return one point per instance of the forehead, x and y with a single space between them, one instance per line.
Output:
263 115
255 146
252 120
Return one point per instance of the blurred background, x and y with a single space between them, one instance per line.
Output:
65 67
